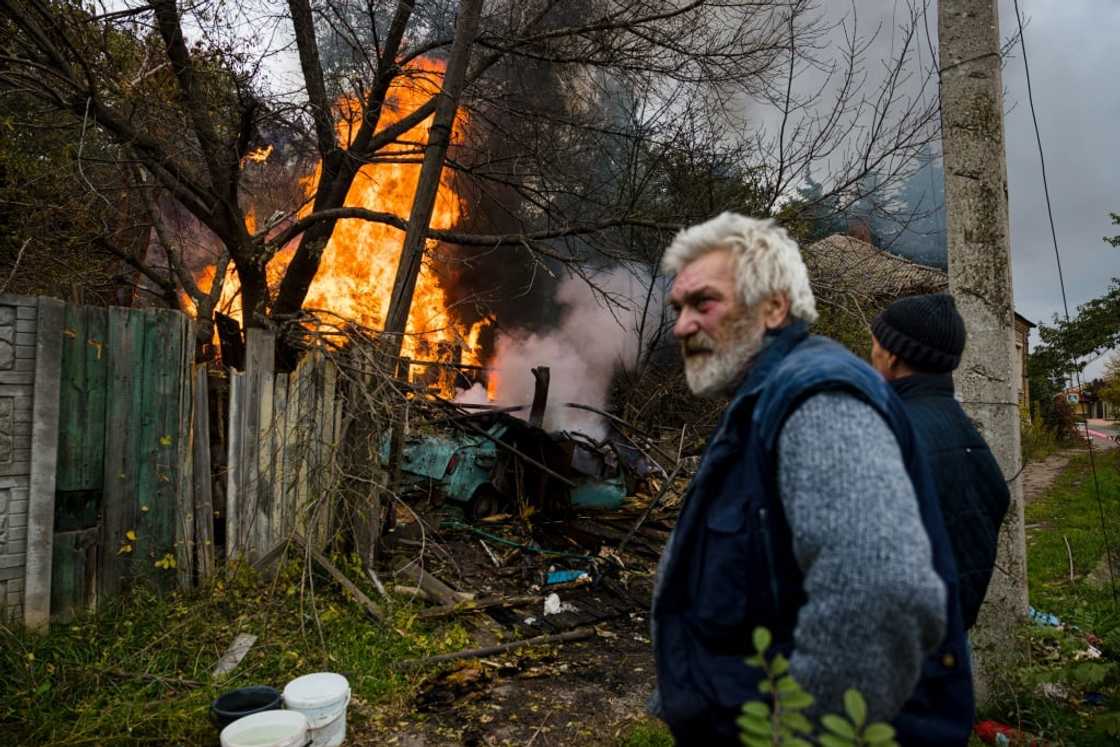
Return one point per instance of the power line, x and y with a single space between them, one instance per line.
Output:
1065 302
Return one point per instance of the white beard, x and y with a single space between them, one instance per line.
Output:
718 372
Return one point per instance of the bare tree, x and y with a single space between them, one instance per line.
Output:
578 112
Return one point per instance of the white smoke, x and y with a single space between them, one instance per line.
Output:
599 333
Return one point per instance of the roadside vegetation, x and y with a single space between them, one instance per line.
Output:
1069 691
139 670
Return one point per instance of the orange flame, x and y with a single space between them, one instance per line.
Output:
257 155
359 263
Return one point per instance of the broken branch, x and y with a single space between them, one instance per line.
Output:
340 578
478 605
579 634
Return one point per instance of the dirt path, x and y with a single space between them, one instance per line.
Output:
1039 476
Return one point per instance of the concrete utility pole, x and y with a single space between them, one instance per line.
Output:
980 280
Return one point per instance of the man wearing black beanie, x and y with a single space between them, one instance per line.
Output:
916 345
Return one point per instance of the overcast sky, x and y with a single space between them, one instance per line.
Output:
1075 66
1073 55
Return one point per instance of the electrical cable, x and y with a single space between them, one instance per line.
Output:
1065 302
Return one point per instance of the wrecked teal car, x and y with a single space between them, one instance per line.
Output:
494 462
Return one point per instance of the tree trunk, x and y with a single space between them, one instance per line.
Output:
339 169
254 291
980 280
439 137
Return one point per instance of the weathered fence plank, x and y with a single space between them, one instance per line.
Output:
202 480
304 394
159 429
234 462
74 578
125 346
278 435
291 454
282 433
263 490
44 466
184 488
81 451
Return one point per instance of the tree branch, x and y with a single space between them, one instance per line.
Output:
303 23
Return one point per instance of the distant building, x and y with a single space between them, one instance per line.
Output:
1023 327
853 273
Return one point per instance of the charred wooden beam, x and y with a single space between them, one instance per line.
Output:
540 396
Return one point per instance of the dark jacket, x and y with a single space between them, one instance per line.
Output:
970 485
733 567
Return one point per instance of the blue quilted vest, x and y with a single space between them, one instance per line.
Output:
733 568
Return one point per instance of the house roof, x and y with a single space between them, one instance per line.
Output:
840 264
844 264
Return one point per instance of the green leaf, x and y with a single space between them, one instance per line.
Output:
796 722
756 708
788 685
838 726
796 701
831 740
856 707
779 666
756 661
765 687
758 727
878 733
762 640
795 742
755 741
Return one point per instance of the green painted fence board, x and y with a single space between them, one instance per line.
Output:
157 476
97 372
82 400
81 449
124 411
123 425
74 566
72 410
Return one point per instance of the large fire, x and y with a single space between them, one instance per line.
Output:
355 277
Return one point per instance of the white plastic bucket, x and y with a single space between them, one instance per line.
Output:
321 697
267 729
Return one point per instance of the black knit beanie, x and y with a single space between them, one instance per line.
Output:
927 332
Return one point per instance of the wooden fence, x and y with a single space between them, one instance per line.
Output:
95 456
105 454
281 450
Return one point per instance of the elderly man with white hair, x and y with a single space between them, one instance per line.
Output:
812 513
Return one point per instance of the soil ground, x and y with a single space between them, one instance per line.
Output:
579 693
583 693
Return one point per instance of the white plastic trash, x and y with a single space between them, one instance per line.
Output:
267 729
321 697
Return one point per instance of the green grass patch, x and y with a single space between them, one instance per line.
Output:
645 733
138 670
1047 696
1069 512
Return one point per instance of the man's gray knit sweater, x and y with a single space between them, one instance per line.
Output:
875 605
